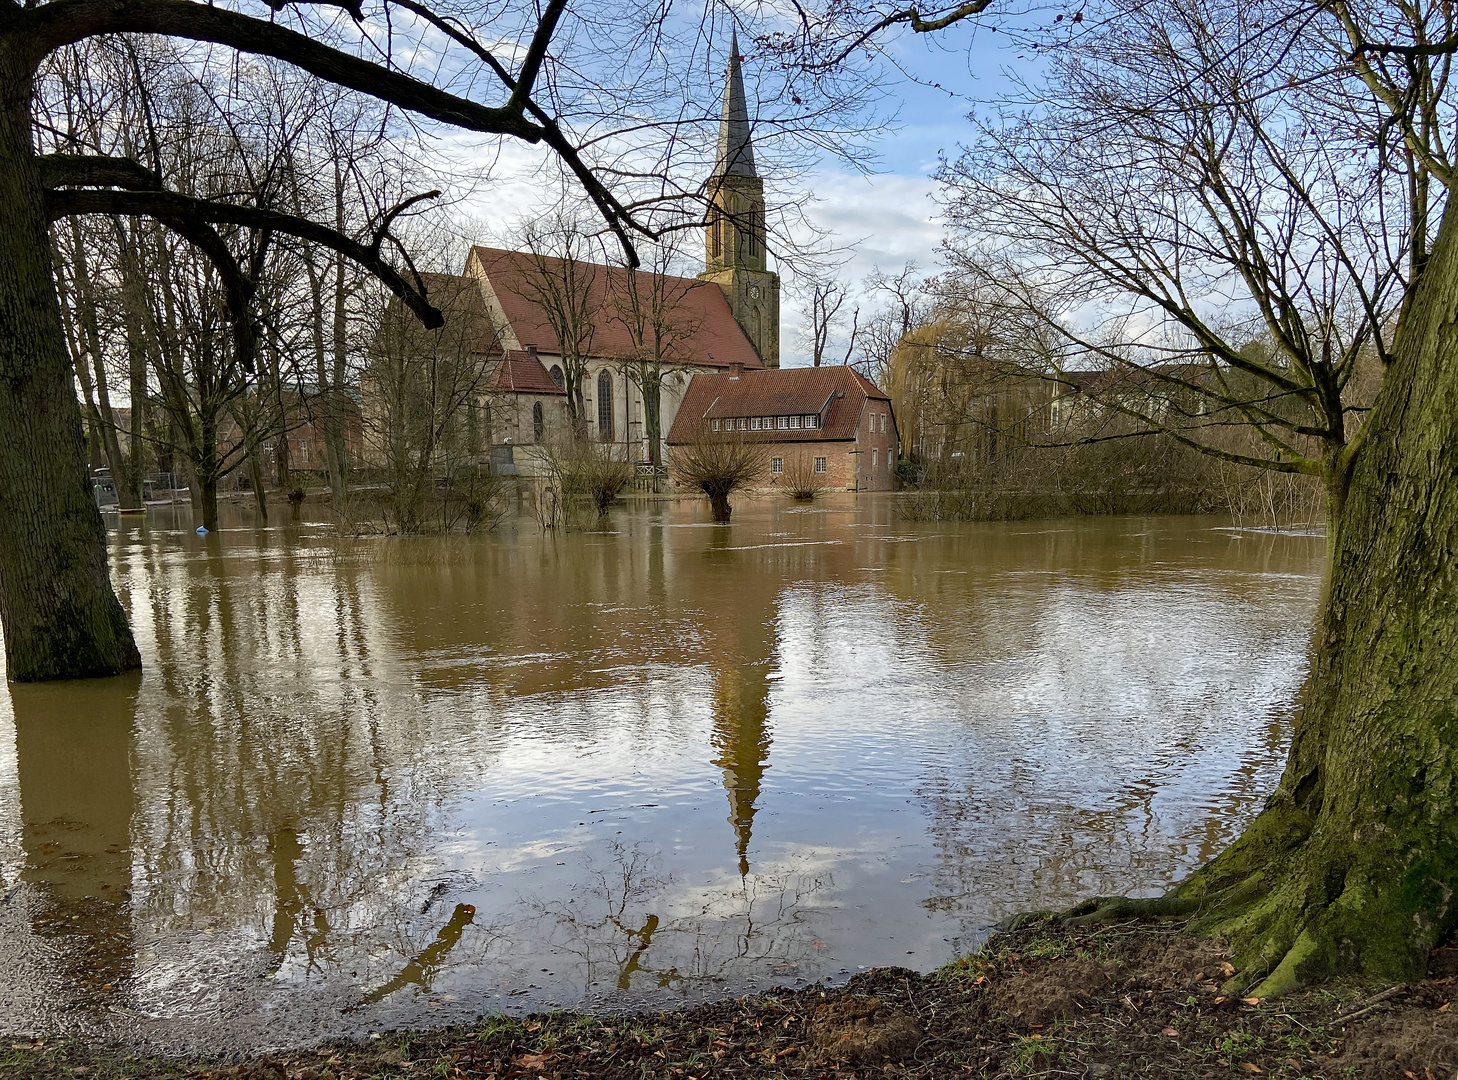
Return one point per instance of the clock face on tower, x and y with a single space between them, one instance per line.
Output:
754 292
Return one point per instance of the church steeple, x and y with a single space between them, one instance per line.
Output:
736 152
734 240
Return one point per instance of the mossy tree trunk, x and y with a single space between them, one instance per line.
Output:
1353 864
59 614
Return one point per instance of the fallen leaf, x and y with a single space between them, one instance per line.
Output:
1410 1073
533 1061
1444 1007
1220 1001
1227 969
788 1051
1170 1032
1250 1067
1250 1001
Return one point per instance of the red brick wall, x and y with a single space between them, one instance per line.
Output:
842 462
876 471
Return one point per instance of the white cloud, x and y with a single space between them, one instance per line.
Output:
880 221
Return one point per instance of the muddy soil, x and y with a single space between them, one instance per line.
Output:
1133 1000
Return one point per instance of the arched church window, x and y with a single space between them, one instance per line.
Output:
716 240
556 374
756 230
539 424
605 406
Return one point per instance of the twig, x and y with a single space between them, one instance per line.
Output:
1372 1004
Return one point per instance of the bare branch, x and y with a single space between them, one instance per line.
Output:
65 22
167 206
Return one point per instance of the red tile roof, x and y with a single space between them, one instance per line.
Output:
839 391
703 331
522 373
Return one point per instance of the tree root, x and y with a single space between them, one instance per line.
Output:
1104 909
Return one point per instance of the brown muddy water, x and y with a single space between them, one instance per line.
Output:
383 782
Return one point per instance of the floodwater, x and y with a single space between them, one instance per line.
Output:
369 783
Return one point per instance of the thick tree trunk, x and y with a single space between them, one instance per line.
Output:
255 474
1353 864
60 616
207 473
652 411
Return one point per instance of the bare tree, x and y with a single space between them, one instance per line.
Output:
423 387
825 299
649 303
900 306
565 281
1170 182
718 465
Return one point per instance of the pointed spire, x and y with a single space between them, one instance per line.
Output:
736 155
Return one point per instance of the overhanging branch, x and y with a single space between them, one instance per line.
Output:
168 206
65 22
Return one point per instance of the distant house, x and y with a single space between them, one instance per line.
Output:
829 420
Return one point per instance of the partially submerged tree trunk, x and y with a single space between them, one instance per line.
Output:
60 616
1353 863
652 415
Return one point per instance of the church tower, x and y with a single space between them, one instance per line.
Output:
735 258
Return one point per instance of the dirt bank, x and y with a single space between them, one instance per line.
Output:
1135 1000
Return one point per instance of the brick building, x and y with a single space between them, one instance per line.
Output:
829 420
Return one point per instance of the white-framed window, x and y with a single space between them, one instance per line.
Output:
716 425
875 460
794 421
777 465
754 423
890 459
812 421
883 423
782 422
820 464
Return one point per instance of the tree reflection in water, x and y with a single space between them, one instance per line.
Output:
423 967
608 925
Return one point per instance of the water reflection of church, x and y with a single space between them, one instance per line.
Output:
741 741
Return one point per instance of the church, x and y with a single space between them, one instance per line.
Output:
560 338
